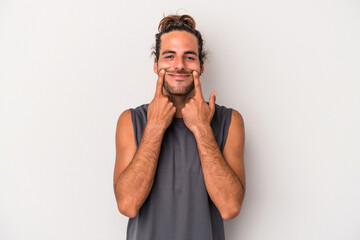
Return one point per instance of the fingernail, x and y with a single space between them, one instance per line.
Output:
162 71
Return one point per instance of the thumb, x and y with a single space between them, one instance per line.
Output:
212 100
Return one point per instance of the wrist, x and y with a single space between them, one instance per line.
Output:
156 127
201 129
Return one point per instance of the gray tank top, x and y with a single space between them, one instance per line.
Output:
178 206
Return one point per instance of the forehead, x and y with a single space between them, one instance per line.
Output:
179 41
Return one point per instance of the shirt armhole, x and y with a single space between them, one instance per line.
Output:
227 123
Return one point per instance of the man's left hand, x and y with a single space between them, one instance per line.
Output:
196 112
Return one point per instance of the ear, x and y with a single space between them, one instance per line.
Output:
155 66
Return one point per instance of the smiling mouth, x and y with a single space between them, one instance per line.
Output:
179 75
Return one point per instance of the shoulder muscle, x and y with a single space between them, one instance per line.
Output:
125 143
234 147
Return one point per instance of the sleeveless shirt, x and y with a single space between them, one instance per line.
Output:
178 206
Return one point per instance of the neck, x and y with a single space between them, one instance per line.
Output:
180 101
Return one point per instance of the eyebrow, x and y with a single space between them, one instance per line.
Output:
173 52
191 52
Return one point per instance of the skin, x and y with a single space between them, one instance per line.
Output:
135 168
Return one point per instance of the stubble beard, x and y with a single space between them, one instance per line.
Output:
178 91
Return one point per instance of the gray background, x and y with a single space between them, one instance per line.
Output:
69 68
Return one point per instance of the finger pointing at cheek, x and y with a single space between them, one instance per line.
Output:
197 86
160 83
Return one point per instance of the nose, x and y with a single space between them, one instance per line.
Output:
179 64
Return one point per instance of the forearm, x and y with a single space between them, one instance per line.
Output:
223 185
135 182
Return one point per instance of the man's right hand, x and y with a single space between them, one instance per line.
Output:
161 110
131 192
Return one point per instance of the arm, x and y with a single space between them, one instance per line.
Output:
224 174
135 168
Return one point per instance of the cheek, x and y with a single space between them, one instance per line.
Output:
163 64
195 67
188 65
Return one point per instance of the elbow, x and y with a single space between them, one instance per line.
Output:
231 212
128 210
126 205
232 207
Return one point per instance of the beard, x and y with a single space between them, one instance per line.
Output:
177 90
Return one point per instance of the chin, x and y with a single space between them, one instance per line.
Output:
179 91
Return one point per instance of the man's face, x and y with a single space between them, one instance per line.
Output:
179 56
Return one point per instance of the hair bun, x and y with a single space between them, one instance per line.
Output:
174 19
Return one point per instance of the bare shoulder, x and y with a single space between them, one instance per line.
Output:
124 124
234 146
125 143
124 118
124 131
236 133
237 121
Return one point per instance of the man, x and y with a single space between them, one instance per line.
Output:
179 167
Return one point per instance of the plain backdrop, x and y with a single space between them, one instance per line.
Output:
69 68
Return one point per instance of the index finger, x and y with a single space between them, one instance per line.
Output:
160 83
197 85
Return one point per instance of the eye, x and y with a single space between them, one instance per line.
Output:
189 58
169 56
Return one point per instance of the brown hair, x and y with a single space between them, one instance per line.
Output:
178 23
